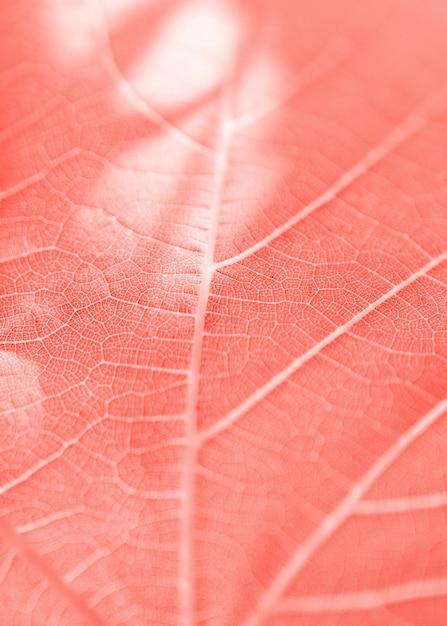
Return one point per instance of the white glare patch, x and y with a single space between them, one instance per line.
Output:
191 56
73 29
21 395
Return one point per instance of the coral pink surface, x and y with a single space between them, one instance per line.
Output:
223 313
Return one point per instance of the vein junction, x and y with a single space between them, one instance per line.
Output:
187 540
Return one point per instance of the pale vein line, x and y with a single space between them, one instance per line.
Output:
409 127
35 178
236 413
140 104
187 573
53 579
28 120
42 522
33 469
365 599
6 564
86 564
340 514
402 505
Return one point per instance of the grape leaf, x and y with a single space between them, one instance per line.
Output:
223 310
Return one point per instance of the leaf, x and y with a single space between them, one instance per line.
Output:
223 313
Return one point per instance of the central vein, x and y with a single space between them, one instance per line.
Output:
187 558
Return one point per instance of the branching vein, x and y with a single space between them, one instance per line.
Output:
406 129
340 514
402 505
187 575
263 391
365 599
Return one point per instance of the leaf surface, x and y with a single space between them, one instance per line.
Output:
223 313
